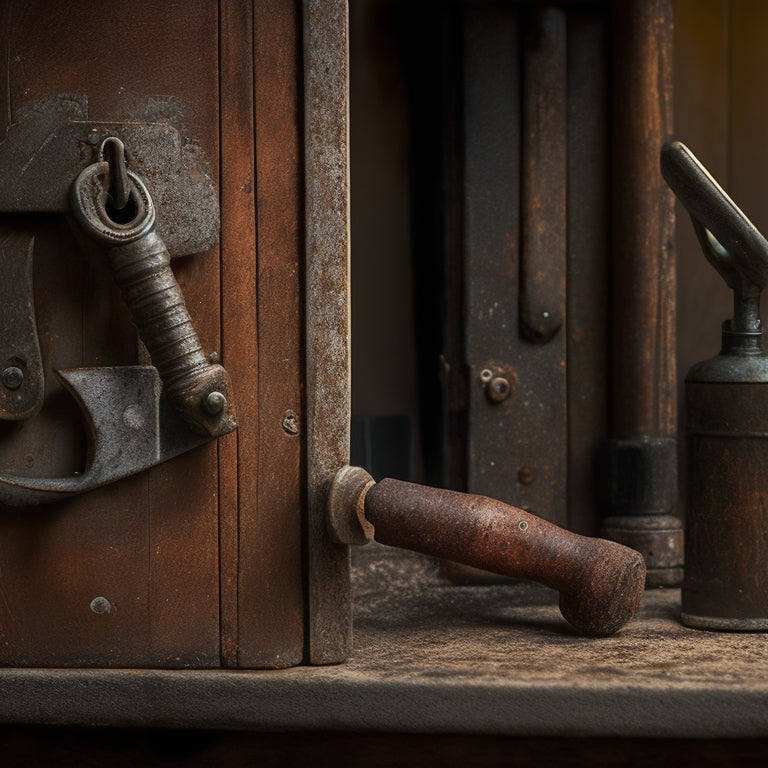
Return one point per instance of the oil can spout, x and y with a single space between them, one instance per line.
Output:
730 241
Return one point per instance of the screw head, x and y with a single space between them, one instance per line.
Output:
100 605
214 403
13 377
498 389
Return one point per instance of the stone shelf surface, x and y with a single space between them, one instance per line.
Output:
430 657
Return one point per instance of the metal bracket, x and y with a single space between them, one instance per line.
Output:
54 139
137 416
132 429
22 385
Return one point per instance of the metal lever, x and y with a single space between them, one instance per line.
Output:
140 264
136 414
601 582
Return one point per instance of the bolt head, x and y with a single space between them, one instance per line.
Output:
214 403
498 389
13 377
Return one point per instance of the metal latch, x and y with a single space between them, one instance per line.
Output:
140 415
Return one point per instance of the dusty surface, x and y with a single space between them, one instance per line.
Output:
433 658
406 617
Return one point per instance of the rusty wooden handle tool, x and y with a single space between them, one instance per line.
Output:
600 582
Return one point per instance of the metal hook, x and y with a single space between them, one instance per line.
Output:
112 152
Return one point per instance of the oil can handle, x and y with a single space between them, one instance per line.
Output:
729 239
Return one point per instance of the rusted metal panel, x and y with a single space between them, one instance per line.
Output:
271 595
238 490
327 316
588 225
517 446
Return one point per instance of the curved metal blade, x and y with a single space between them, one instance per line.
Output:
130 429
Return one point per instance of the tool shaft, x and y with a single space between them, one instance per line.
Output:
600 582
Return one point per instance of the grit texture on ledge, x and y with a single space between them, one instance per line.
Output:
430 657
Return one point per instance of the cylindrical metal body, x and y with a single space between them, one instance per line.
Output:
726 527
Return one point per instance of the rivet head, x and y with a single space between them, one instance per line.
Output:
525 475
523 525
100 605
214 403
13 377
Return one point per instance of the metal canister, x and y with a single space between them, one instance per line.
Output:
725 583
726 531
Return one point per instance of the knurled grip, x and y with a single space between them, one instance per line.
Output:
140 264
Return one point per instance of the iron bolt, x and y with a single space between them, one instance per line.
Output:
214 403
13 377
498 389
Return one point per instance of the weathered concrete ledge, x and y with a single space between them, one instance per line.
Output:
432 658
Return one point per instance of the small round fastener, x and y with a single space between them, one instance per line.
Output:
214 403
13 377
498 389
525 475
100 605
291 422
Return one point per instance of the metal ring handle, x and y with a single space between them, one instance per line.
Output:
90 204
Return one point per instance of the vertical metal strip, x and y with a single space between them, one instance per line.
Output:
516 444
543 222
327 316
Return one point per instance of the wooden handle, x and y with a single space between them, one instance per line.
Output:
600 582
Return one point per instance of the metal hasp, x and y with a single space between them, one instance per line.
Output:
53 139
641 456
726 526
601 582
129 422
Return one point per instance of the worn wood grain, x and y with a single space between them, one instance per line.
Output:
271 601
147 544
